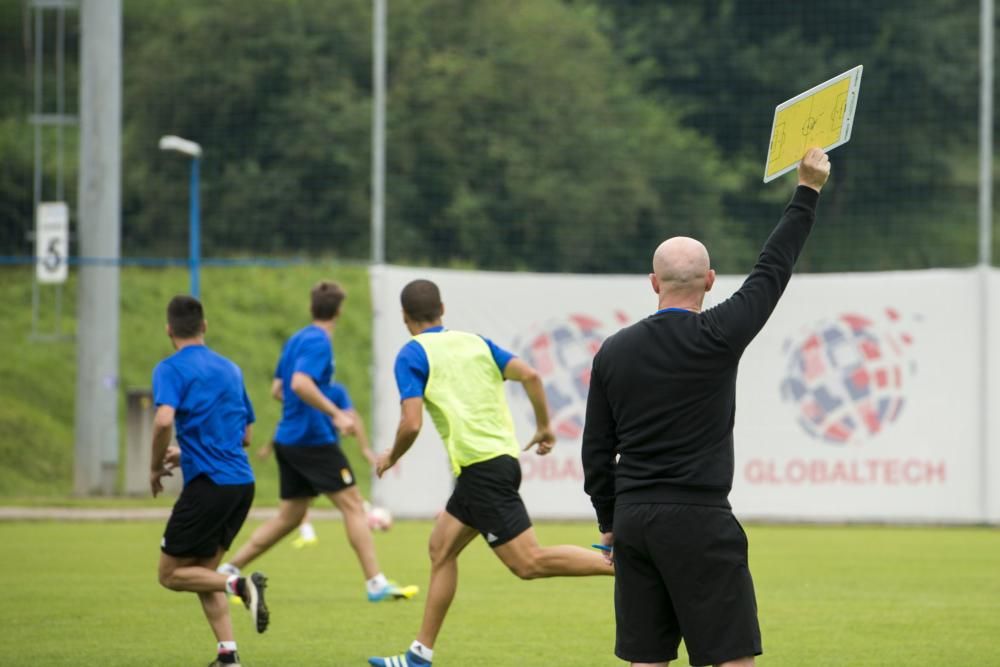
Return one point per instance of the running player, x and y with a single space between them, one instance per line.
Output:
339 396
310 462
460 378
201 393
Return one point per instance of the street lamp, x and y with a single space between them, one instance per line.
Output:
193 151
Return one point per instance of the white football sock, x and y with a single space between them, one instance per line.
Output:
376 583
228 568
306 531
421 650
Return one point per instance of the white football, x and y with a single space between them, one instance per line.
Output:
379 518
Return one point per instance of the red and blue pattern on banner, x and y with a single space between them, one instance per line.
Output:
847 376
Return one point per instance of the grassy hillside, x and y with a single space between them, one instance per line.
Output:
250 312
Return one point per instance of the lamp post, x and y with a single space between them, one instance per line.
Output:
192 150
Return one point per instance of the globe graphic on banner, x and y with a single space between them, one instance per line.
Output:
562 351
847 377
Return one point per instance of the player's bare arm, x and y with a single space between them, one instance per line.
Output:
163 427
411 419
247 435
173 457
277 390
305 388
362 437
520 371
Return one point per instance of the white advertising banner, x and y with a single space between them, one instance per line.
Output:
858 401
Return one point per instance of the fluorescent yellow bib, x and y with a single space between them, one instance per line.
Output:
465 398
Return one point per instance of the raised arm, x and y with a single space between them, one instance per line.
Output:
741 317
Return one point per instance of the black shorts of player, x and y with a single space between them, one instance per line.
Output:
205 517
307 471
486 498
681 570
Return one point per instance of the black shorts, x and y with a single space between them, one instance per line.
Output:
308 471
205 517
681 571
486 498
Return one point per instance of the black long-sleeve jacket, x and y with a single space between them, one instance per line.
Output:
663 390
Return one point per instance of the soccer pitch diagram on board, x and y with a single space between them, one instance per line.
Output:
822 116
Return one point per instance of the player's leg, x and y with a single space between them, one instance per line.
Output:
449 537
490 501
189 574
269 533
296 492
202 521
529 560
214 603
351 507
201 527
307 534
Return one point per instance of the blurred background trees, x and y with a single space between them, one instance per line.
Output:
551 135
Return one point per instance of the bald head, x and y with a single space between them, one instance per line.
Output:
681 261
681 271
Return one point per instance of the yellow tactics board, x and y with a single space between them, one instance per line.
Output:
822 116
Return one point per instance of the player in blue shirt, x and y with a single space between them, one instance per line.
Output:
310 461
337 393
201 395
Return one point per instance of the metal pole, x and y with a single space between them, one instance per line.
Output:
60 111
60 96
99 228
986 55
194 242
378 131
37 176
986 31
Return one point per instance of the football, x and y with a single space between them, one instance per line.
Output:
379 518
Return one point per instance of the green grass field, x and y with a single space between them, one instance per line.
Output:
86 594
250 313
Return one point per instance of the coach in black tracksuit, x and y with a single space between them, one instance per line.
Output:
663 400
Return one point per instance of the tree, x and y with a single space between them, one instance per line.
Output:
902 195
518 139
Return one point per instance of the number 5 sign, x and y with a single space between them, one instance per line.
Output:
52 242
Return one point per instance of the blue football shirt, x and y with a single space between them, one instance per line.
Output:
212 412
308 351
413 368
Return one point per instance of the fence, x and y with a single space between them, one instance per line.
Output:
547 136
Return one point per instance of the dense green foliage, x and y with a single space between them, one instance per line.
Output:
566 135
845 596
250 313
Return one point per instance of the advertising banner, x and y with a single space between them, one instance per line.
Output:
858 401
